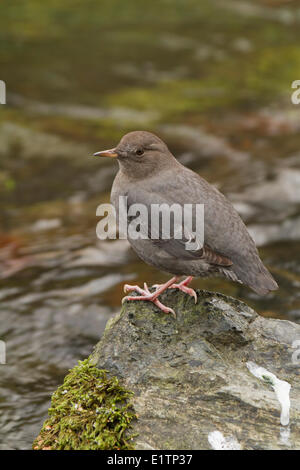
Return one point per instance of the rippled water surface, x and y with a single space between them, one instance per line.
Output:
213 79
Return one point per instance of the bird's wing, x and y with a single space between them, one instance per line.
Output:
182 243
224 231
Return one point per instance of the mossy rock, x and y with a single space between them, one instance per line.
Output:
189 378
90 411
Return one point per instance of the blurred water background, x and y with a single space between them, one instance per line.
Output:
213 79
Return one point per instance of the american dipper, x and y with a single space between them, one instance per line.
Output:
149 174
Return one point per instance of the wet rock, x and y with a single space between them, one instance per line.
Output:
252 10
115 252
31 144
190 377
124 115
46 224
210 145
289 229
282 190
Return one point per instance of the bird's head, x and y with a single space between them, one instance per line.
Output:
140 153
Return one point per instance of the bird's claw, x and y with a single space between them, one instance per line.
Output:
186 290
145 294
164 308
183 287
129 288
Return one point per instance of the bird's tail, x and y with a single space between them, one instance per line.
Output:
264 284
256 276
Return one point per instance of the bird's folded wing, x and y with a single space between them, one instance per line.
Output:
179 240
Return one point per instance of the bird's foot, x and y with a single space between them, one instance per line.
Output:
183 286
150 296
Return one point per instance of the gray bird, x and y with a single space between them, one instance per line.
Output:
150 174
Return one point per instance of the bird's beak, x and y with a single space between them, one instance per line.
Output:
111 153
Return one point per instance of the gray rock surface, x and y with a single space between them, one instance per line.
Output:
190 376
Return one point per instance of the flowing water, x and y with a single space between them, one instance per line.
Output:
213 79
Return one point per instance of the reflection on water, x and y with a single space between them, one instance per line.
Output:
213 80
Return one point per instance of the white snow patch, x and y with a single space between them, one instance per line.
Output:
280 387
219 442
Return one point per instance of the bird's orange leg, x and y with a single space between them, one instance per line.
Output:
183 286
151 296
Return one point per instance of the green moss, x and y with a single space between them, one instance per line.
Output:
89 412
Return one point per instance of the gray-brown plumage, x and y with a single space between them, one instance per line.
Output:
150 174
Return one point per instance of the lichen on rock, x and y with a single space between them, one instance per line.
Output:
89 411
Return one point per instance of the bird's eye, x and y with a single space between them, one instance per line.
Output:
139 152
